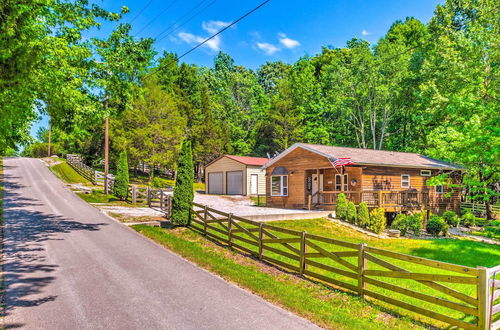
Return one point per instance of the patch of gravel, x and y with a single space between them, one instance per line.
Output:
241 205
130 211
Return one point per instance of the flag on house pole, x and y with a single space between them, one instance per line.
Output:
339 162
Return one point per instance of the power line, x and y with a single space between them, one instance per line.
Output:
214 35
159 14
223 29
184 22
141 11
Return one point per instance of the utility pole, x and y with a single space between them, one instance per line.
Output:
106 146
50 136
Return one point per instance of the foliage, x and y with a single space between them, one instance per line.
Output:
341 207
378 220
415 222
451 218
183 191
121 178
40 150
351 213
363 217
401 223
468 219
436 225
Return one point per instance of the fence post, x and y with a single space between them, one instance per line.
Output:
261 236
148 196
205 215
483 322
161 200
302 252
361 269
230 229
134 194
169 206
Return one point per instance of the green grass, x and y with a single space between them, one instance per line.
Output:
143 180
98 196
463 252
328 308
67 174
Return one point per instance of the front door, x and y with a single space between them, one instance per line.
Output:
317 185
254 181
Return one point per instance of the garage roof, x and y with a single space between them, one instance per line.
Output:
252 161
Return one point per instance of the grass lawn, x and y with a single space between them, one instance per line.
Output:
463 252
98 196
326 307
143 180
67 174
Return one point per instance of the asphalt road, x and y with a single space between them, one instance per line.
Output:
67 266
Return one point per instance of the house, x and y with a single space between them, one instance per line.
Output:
311 176
236 175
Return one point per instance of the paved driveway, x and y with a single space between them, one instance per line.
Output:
68 266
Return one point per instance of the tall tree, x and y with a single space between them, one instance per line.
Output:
183 191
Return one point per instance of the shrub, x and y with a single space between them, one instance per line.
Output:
437 225
401 223
157 182
120 188
40 150
363 217
183 191
341 209
377 220
468 219
351 212
415 222
451 218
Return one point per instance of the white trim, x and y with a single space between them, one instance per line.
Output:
335 183
436 189
427 172
282 186
345 182
409 180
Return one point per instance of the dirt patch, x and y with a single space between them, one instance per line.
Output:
129 219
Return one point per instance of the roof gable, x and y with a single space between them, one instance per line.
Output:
371 157
246 160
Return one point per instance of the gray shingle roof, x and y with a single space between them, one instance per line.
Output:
375 157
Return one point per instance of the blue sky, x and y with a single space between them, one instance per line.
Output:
281 30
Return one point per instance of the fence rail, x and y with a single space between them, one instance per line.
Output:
160 199
96 177
479 209
454 294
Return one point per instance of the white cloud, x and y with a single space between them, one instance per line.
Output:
189 38
287 42
365 33
268 48
214 26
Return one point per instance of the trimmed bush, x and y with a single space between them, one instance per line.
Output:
351 212
363 217
436 225
401 223
377 220
451 218
341 208
468 219
183 191
120 188
415 222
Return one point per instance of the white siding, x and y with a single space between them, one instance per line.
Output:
261 179
224 165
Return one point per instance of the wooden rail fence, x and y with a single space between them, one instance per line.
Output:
459 294
480 209
96 177
154 198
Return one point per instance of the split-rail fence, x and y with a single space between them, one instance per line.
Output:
461 296
96 177
160 199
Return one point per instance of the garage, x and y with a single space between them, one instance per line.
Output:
215 183
234 183
235 175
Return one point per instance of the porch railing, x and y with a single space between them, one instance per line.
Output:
373 198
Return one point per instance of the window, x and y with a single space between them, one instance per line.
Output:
279 185
346 182
405 181
439 188
425 172
338 182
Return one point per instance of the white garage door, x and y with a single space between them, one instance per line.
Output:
235 183
215 183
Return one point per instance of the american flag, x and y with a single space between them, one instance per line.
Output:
338 162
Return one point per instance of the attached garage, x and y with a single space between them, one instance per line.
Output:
236 175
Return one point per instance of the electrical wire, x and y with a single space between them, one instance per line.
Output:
141 11
156 17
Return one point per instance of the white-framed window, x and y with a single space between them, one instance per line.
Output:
279 185
405 181
439 188
346 182
425 172
338 182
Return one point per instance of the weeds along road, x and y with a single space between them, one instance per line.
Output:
67 266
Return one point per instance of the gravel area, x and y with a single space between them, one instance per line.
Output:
130 211
242 205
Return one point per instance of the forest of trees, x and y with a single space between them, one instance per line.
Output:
423 87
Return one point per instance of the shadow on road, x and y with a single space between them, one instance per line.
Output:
25 266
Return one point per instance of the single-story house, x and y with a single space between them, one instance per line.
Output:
312 176
236 175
